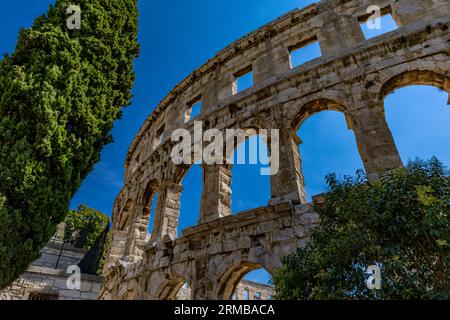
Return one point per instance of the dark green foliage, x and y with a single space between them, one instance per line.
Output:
90 264
400 223
88 221
60 92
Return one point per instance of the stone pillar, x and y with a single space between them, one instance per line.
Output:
288 183
411 11
374 139
216 193
218 88
137 233
119 234
202 287
167 212
116 248
239 294
337 32
273 62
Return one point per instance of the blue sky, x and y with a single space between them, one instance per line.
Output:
178 36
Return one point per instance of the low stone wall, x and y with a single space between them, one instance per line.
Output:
39 283
55 256
46 278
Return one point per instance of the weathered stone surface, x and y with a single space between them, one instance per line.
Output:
353 76
47 279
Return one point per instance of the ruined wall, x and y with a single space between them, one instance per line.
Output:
46 278
353 76
39 283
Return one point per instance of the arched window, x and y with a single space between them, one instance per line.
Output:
149 201
419 119
190 197
328 146
250 188
184 293
153 203
175 289
247 281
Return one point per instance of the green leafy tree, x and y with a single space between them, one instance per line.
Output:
60 92
87 220
399 223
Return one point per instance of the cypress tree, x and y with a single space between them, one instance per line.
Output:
60 92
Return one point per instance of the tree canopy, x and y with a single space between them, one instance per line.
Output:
89 222
60 92
399 223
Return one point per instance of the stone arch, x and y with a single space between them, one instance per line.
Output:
244 134
169 289
297 112
232 276
121 210
246 156
414 77
179 172
124 217
146 194
315 106
137 224
191 181
167 285
167 215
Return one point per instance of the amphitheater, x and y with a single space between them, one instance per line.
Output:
353 76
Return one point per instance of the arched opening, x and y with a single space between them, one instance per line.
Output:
247 281
184 293
250 187
153 203
410 78
192 183
418 118
149 200
175 289
327 144
256 285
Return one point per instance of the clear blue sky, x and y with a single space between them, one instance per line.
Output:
178 36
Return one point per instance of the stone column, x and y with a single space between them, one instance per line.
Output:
119 234
337 32
116 248
137 232
411 11
288 183
216 193
203 284
374 139
167 212
273 62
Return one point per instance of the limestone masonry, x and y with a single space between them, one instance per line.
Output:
46 278
352 76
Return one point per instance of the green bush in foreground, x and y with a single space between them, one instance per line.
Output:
400 223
